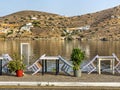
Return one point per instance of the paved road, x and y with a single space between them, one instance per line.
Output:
57 88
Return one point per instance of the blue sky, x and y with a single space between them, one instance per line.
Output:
61 7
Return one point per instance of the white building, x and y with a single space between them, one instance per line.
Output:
34 18
26 27
87 27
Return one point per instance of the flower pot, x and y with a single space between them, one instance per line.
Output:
77 73
19 73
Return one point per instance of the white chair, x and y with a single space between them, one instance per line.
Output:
66 66
36 66
5 61
117 66
90 67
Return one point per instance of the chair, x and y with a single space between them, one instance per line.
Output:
36 66
66 66
117 66
90 65
6 60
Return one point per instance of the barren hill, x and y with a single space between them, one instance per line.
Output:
44 24
104 25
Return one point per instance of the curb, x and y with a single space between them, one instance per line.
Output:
106 84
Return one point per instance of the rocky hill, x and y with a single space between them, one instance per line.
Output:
44 24
103 25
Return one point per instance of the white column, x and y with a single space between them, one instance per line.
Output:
113 63
99 66
25 52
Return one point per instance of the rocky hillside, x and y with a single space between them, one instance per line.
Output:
44 24
103 25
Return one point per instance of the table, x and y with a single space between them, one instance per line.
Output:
106 58
49 58
1 58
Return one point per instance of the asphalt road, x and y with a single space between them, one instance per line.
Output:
56 88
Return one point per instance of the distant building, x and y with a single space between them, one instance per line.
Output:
26 27
70 30
116 16
4 25
34 18
4 30
87 27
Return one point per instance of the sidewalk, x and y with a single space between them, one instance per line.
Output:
50 79
61 84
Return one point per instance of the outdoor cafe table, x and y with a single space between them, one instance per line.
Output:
106 58
49 58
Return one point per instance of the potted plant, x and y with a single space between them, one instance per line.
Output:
16 65
77 56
